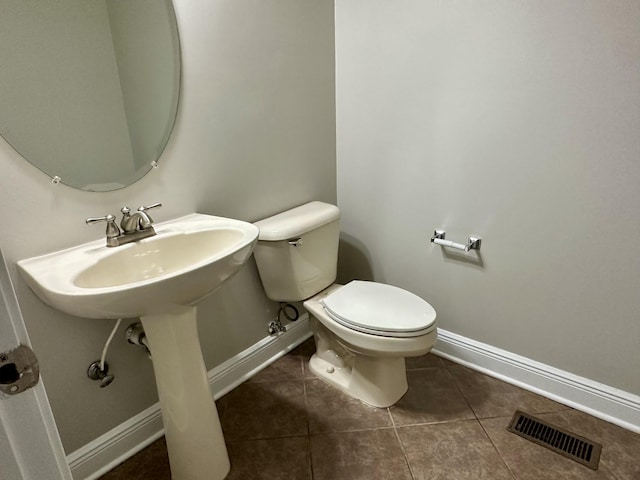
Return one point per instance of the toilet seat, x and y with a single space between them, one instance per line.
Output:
380 309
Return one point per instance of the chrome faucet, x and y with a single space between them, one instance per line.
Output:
133 226
136 221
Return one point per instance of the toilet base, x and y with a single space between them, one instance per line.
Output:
379 382
367 367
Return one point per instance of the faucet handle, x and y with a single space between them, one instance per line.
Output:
112 227
149 207
153 205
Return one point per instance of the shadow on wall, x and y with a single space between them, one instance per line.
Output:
472 258
353 260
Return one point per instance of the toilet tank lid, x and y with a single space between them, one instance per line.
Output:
298 220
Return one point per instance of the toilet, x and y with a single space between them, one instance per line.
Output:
363 330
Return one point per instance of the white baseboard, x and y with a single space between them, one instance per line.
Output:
602 401
122 442
118 444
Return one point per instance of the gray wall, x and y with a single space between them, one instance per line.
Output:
516 121
255 135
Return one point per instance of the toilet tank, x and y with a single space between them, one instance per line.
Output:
297 251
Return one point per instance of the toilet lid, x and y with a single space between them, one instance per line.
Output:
380 309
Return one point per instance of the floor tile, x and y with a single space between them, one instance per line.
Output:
287 367
529 461
264 410
490 397
363 455
330 410
432 397
307 348
436 451
267 424
448 363
151 462
270 459
425 361
620 447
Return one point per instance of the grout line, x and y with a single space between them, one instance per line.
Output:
355 430
419 369
466 400
495 447
306 408
477 419
276 437
310 457
404 452
609 471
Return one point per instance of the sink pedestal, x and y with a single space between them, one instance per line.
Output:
194 436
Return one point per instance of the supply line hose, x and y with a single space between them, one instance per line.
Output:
290 312
106 345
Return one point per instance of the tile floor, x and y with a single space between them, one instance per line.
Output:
286 424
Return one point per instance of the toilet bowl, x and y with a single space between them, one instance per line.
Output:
363 330
366 365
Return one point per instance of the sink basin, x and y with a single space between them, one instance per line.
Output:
188 259
159 279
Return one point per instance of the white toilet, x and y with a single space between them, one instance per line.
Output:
363 330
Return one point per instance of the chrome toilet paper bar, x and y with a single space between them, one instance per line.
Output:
472 244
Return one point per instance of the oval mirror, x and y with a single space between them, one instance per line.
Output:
89 89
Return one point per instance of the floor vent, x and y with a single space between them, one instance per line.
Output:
557 439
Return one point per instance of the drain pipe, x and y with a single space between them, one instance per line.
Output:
135 335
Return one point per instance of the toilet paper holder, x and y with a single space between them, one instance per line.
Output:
439 239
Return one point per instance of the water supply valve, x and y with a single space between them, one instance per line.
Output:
94 372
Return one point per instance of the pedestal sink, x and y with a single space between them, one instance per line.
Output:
159 279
